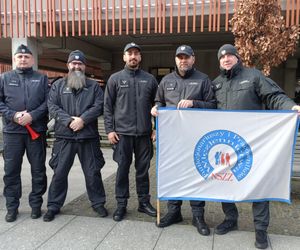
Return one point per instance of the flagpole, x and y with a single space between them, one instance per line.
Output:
158 212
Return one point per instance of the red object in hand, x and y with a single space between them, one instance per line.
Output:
34 135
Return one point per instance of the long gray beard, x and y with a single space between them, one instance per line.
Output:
76 80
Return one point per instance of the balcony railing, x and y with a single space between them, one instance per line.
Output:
51 18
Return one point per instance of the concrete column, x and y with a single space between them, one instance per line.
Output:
32 45
290 77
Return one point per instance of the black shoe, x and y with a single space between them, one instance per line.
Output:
11 215
147 209
200 224
101 211
50 215
36 213
226 226
169 219
261 239
119 214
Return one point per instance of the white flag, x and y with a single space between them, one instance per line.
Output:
225 155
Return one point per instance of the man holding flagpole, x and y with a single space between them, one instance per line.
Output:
186 87
240 88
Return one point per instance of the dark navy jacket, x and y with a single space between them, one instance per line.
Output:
86 103
248 89
24 90
129 97
194 86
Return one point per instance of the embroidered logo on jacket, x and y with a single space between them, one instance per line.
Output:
67 90
243 82
13 82
124 84
35 81
170 86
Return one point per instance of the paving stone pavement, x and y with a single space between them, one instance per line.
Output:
285 218
79 227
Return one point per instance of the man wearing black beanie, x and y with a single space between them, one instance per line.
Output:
241 88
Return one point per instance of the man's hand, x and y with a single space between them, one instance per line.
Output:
154 111
297 108
17 116
77 124
23 118
113 138
185 104
153 135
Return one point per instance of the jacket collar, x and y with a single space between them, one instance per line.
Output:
24 71
187 74
233 71
132 71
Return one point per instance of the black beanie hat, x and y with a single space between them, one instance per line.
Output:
77 55
23 49
227 49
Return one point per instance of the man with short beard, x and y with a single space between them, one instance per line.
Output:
129 96
75 103
186 87
23 100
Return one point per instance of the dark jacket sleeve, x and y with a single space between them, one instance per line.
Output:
4 109
209 101
55 110
154 92
109 102
272 95
154 89
159 97
96 109
42 110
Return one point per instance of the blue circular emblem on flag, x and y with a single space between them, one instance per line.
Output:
224 151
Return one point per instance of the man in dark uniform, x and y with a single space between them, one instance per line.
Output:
75 103
240 88
185 88
129 96
23 101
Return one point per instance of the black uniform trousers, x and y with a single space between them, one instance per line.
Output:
15 145
260 210
174 206
91 159
142 148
